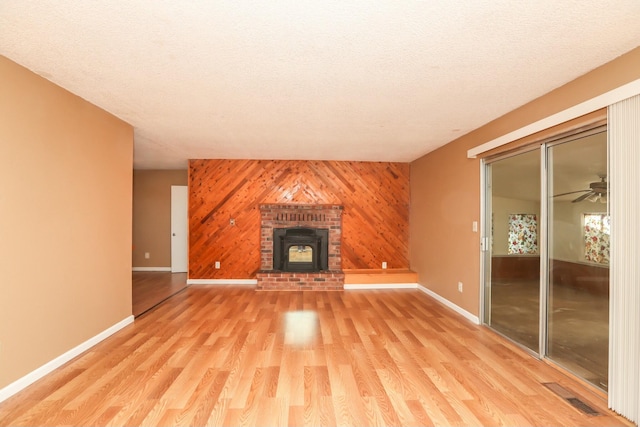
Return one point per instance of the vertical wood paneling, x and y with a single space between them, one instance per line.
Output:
375 197
624 199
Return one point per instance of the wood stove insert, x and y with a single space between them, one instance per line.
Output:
300 249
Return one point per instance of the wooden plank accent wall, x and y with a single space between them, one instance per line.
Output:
375 197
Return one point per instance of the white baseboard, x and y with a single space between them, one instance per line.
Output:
473 318
151 269
222 282
50 366
429 292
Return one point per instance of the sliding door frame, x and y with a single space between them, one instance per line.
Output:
486 236
544 239
544 234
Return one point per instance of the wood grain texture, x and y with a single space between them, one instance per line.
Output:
150 288
375 197
229 355
390 275
590 278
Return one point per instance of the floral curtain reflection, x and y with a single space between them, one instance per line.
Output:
523 234
597 232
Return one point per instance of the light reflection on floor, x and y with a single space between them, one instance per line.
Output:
300 327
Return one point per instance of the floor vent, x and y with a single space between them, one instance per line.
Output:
569 397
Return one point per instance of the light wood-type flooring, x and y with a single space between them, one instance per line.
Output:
578 327
150 288
229 355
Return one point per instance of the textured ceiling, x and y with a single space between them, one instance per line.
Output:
343 80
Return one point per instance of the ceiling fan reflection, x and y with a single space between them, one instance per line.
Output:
597 192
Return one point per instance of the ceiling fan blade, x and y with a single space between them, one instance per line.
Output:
570 192
584 196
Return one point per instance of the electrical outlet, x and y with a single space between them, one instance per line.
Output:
384 264
459 286
147 255
217 265
232 221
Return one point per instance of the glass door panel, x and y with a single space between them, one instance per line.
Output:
578 257
512 261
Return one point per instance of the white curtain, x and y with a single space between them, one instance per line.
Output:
624 315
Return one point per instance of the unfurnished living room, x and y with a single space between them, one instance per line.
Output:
319 213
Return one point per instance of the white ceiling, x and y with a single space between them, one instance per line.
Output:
334 80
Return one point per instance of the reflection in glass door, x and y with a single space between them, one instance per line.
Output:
578 257
512 263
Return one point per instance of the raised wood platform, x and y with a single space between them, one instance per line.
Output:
373 276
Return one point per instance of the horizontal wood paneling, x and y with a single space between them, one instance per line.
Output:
375 197
514 267
586 277
590 278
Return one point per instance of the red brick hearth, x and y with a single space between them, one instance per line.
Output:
311 216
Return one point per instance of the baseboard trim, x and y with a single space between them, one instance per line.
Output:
421 288
151 269
251 282
473 318
363 286
50 366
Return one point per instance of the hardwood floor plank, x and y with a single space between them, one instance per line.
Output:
343 412
207 395
151 288
229 355
140 412
192 380
387 410
273 411
105 417
419 414
160 414
405 416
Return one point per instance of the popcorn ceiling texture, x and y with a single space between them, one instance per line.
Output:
310 80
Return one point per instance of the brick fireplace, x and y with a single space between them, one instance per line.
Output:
284 220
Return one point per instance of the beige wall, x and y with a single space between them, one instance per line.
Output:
65 221
152 215
445 187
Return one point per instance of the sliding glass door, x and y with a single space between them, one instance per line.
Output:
513 256
578 257
550 204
